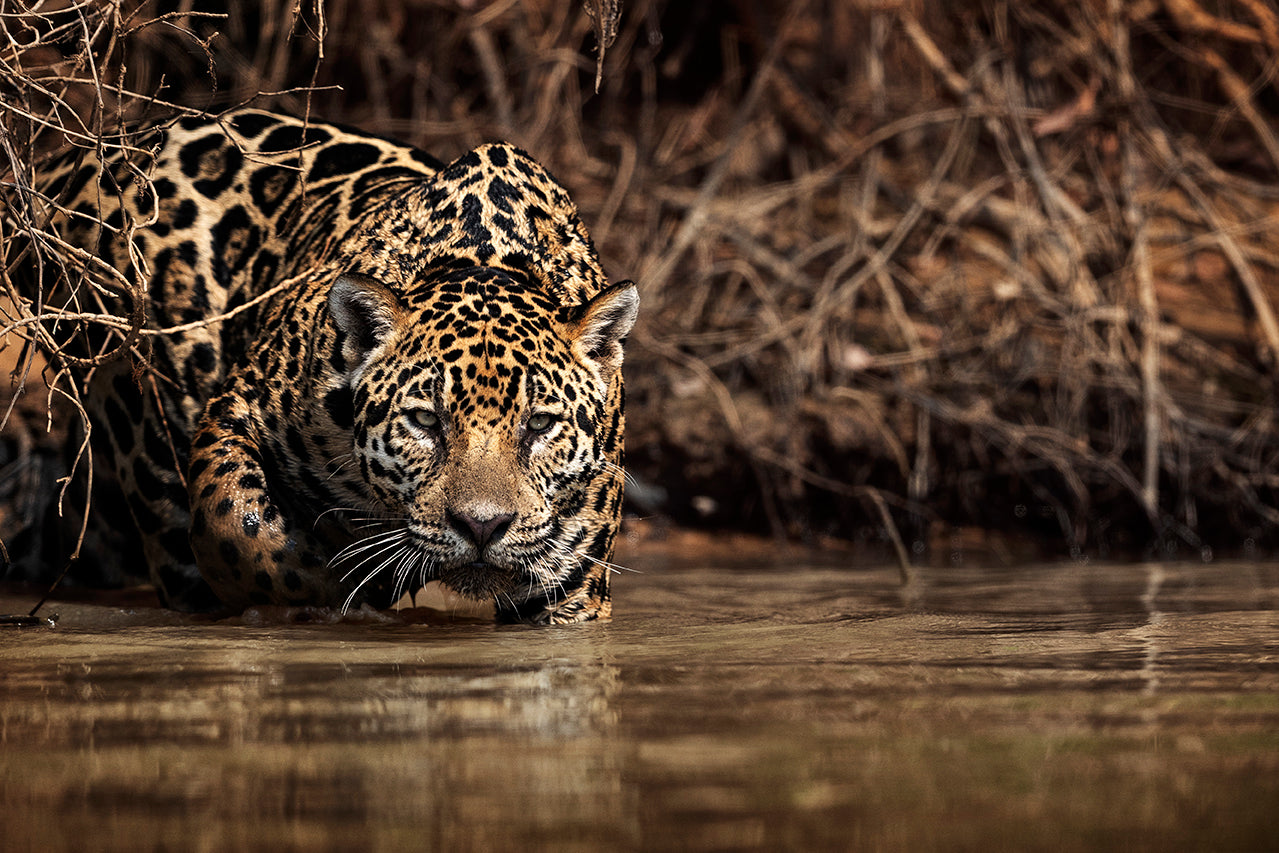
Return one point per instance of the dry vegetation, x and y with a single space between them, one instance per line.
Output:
906 266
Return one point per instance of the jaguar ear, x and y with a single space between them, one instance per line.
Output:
604 323
365 311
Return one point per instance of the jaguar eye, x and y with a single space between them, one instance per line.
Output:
424 419
540 422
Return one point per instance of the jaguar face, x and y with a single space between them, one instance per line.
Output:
483 430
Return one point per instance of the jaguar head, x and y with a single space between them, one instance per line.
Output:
487 431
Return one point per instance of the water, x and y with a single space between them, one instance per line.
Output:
735 702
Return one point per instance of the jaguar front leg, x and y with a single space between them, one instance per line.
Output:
589 602
246 545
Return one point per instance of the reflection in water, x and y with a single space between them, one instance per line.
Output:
728 708
273 745
1150 600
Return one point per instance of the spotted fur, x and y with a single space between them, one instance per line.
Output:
420 377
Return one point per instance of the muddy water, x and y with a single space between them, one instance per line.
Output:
733 703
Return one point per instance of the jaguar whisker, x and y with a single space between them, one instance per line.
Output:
359 546
389 543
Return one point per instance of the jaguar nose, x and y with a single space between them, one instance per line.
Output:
480 531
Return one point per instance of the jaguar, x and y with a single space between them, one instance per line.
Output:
361 369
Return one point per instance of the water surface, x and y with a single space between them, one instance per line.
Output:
735 702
